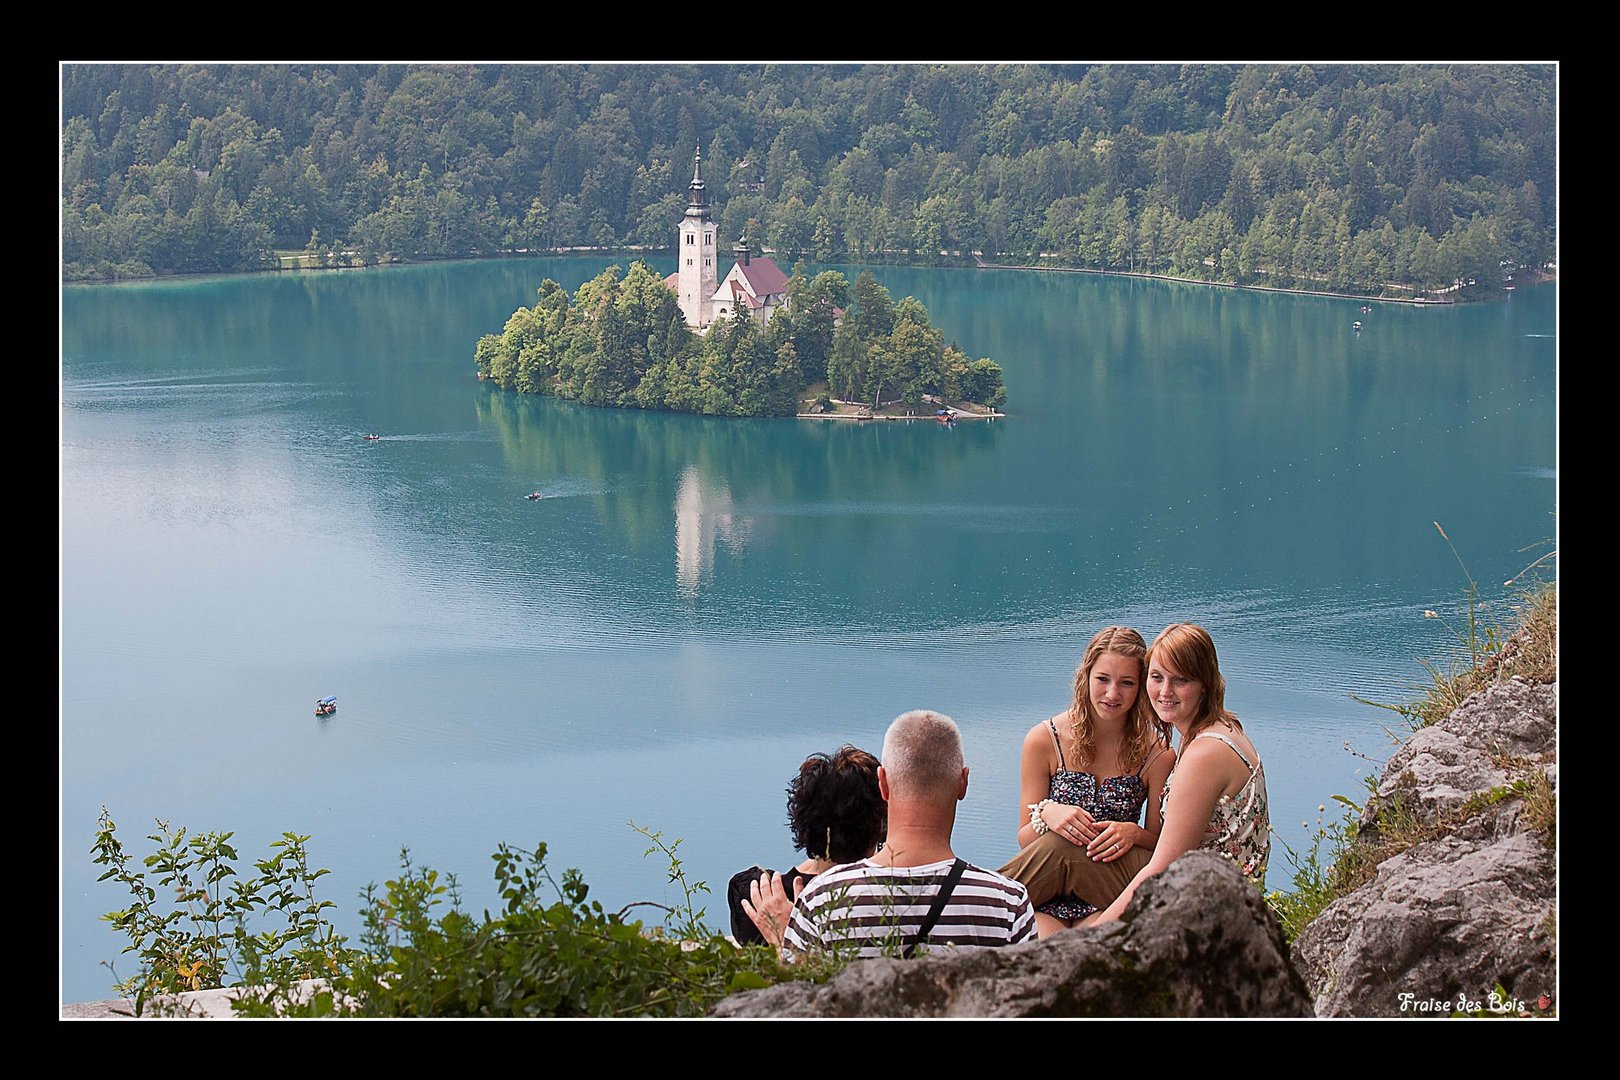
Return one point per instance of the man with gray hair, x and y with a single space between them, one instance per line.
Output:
914 893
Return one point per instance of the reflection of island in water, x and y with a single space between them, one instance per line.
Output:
704 515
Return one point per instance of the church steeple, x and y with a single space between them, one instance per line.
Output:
697 204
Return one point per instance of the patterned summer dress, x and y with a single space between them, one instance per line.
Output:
1240 827
1112 798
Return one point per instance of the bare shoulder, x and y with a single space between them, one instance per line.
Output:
1202 751
1239 736
1041 733
1216 756
1039 747
1039 742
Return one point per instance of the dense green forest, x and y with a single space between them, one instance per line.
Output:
1339 176
623 342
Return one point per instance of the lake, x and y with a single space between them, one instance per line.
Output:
698 603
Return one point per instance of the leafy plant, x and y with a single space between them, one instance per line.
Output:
201 938
549 951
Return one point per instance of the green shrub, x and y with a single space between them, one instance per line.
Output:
549 951
198 937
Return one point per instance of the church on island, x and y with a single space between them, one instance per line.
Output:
755 284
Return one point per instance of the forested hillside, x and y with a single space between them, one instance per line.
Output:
1308 176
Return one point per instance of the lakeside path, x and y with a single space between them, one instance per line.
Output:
1418 301
930 419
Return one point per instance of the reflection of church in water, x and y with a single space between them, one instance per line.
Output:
755 284
704 514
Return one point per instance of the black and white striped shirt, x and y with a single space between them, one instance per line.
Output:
867 909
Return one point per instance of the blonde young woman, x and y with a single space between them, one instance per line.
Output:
1214 798
1086 773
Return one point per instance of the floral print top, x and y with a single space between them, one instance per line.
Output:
1109 798
1240 827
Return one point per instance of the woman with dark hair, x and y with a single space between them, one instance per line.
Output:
836 815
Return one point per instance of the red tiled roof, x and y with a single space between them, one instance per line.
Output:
764 276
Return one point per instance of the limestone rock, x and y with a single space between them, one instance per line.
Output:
1445 920
1456 915
1445 764
1198 940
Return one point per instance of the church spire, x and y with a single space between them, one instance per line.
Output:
698 201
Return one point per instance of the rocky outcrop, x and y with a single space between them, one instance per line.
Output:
1468 753
1198 940
1470 906
198 1004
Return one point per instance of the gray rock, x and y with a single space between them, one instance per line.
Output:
1448 919
1198 940
110 1009
1452 917
201 1004
1442 766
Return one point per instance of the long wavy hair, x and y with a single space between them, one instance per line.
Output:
1190 650
1144 731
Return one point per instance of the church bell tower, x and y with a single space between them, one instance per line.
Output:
696 268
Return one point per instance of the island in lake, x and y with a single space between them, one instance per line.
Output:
757 342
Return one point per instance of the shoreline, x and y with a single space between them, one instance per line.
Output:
1415 300
929 419
1536 276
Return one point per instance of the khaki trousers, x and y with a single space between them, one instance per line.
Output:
1052 867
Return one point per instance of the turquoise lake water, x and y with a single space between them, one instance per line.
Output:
698 603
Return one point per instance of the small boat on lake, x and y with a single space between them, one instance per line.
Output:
533 495
371 438
1357 326
326 706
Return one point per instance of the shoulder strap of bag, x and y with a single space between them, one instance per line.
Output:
941 897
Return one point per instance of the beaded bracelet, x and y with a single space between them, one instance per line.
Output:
1037 822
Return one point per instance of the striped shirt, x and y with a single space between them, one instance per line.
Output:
866 909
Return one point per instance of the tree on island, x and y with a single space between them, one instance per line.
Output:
886 345
622 342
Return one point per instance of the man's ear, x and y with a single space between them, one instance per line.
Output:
883 784
960 795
